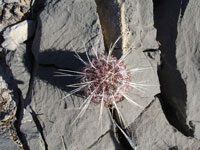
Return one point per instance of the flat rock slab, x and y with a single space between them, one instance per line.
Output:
148 85
64 25
173 87
57 113
78 24
20 64
139 35
31 131
57 50
67 26
137 24
151 131
106 142
188 61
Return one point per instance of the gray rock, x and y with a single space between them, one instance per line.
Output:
8 96
61 26
151 131
139 35
20 64
6 142
1 27
137 24
78 24
57 114
173 89
109 15
30 130
106 142
149 88
77 20
188 61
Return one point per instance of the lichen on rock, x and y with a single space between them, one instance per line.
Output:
12 13
7 112
7 105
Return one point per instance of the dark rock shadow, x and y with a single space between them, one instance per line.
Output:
119 146
120 136
110 21
7 75
173 88
50 73
184 4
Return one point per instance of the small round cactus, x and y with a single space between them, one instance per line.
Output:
107 78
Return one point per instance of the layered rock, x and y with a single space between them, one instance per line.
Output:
151 131
64 27
53 48
188 60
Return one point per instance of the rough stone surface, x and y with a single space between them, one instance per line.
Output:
57 114
6 142
31 132
173 89
64 26
20 62
152 131
111 22
137 24
106 142
55 51
188 61
139 34
1 27
78 24
8 103
147 77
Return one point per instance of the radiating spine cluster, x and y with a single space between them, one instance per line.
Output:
104 80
